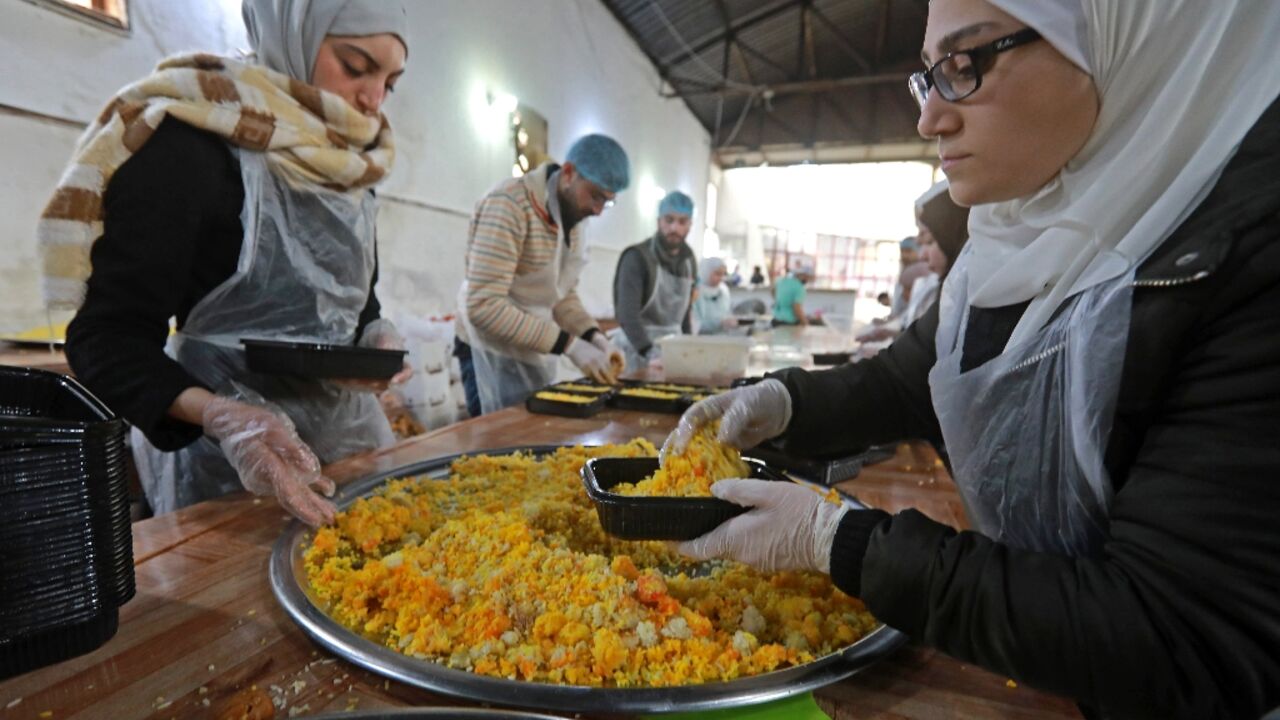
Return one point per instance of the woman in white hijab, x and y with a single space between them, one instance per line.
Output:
1102 366
236 197
712 311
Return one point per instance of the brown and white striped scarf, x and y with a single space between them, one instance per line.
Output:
311 137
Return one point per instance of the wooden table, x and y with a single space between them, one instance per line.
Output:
205 628
32 356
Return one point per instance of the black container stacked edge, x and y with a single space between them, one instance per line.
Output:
66 554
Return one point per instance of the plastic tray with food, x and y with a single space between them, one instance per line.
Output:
548 547
582 385
632 517
565 404
645 397
701 394
317 360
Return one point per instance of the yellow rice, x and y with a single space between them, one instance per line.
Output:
646 393
577 387
565 397
691 473
502 570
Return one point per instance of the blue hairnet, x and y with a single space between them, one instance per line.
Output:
908 244
600 159
676 202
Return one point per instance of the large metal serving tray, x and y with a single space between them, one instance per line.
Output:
289 583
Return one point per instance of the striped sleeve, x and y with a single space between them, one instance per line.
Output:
572 316
498 233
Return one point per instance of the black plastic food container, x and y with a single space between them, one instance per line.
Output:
656 518
66 554
542 406
316 360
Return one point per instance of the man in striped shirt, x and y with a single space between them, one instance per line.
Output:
518 308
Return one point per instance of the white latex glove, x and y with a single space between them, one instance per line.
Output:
790 527
748 416
591 360
264 448
617 361
382 335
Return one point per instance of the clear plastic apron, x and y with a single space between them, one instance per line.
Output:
506 375
1027 430
663 314
303 275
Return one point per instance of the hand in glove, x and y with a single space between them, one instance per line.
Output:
591 360
748 416
264 448
382 335
617 361
790 527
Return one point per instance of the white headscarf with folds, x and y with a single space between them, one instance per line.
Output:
1181 82
286 34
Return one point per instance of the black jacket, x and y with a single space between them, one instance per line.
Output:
172 234
1179 616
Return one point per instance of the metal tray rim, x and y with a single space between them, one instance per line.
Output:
571 698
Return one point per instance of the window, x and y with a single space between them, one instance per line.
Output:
840 263
113 13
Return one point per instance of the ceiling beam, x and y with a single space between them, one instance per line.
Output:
808 58
842 115
882 34
724 69
799 87
799 136
748 20
763 58
843 42
746 68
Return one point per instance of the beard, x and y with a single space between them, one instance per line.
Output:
569 214
673 239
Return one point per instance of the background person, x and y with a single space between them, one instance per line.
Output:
789 295
934 209
518 307
713 309
912 268
653 284
1102 366
294 142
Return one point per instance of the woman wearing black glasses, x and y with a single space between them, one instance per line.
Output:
1103 366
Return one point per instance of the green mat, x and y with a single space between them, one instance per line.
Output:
797 707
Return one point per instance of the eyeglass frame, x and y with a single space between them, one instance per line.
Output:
920 83
598 195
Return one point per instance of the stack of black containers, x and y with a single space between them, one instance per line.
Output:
66 557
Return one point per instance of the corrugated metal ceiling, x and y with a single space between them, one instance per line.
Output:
786 74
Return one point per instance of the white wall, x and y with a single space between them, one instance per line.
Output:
67 68
568 59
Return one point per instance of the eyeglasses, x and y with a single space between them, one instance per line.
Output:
599 197
959 74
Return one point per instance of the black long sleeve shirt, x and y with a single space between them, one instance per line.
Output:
172 234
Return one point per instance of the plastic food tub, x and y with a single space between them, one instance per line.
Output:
703 357
640 517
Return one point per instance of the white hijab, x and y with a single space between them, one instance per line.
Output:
286 34
1181 82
